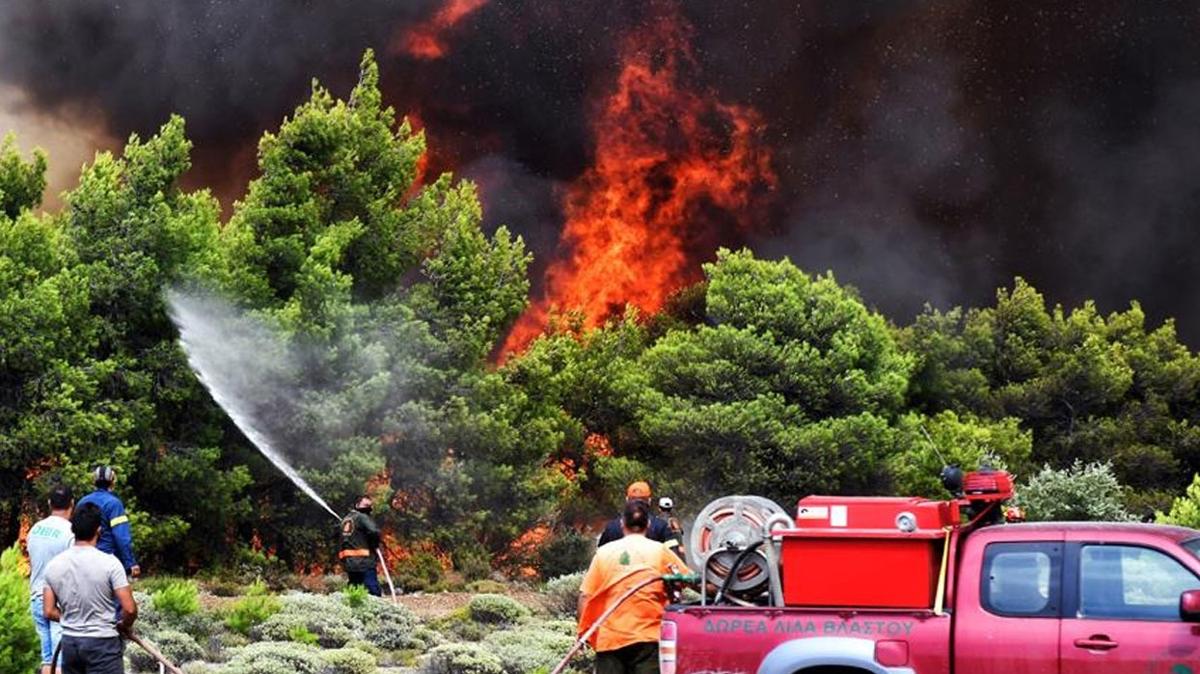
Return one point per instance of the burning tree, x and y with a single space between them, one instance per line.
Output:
393 298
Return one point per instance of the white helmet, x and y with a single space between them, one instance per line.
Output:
665 503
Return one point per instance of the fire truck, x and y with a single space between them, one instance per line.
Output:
914 586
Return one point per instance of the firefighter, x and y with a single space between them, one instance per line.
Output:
666 505
627 641
357 551
116 537
657 530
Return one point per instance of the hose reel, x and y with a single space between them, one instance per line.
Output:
723 531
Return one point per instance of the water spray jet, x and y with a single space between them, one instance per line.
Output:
210 332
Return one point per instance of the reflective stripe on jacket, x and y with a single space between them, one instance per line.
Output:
359 538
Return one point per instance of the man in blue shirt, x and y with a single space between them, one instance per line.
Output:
115 534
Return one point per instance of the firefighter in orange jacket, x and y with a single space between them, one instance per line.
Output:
627 642
360 540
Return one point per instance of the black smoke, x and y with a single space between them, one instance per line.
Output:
926 151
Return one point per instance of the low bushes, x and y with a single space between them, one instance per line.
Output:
175 645
256 607
462 659
562 594
268 657
496 609
529 648
348 661
331 630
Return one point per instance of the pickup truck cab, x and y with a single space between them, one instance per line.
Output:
1053 598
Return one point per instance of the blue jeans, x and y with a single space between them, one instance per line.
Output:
49 631
369 578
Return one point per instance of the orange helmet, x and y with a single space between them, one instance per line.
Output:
638 490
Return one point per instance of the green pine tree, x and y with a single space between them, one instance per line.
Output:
19 645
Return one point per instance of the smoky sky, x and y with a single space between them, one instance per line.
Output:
926 152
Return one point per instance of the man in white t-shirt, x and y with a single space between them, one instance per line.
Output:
83 589
46 539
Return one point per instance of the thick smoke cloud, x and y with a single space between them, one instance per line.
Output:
926 151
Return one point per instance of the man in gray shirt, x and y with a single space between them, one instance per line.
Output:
83 588
46 539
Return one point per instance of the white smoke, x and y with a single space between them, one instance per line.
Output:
244 366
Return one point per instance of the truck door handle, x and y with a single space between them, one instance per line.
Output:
1097 642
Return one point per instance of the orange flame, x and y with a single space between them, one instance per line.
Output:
26 523
598 444
427 40
525 548
665 157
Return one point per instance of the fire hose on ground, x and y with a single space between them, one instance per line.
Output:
587 635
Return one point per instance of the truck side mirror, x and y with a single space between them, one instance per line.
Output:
1189 606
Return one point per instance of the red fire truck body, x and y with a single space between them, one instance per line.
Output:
908 588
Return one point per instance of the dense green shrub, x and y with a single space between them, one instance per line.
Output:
462 659
496 609
269 657
1185 511
257 606
565 553
473 562
176 646
1083 492
562 594
348 661
530 648
19 645
421 572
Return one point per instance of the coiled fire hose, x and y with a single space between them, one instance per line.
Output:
135 638
737 565
583 638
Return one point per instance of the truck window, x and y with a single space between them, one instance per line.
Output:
1126 582
1022 579
1193 546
